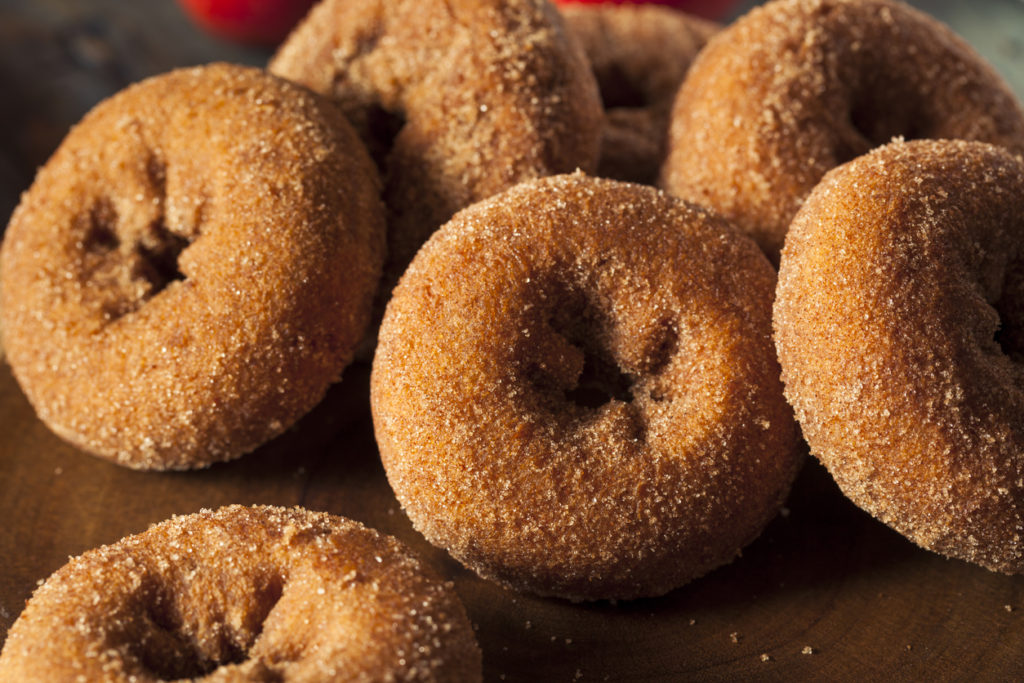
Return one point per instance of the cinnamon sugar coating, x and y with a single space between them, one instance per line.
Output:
576 394
192 268
899 322
456 99
797 87
244 594
639 55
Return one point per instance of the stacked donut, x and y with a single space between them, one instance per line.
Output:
898 312
197 263
577 388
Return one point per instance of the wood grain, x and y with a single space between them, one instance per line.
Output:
824 579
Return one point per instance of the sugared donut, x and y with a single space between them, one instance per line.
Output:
797 87
456 99
244 594
192 267
900 327
575 390
639 55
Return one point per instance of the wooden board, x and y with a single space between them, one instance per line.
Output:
825 593
825 576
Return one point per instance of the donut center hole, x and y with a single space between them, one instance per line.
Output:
382 127
1010 307
600 381
157 253
874 121
100 237
172 650
618 90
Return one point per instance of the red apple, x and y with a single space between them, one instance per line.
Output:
709 9
261 22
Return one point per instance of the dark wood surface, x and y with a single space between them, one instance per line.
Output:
826 593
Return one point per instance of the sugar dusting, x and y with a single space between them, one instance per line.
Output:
480 95
192 267
898 322
240 593
797 87
520 312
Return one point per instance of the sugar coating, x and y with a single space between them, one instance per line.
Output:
457 99
484 351
640 55
797 87
192 268
245 594
899 322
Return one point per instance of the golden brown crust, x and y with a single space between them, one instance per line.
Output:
457 99
898 323
244 594
797 87
575 391
192 268
639 55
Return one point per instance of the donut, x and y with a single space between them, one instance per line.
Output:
899 323
192 268
639 55
244 594
456 100
575 390
797 87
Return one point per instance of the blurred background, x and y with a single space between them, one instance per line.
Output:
60 57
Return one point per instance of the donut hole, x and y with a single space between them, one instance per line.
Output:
601 380
1010 307
100 236
382 127
172 649
879 112
583 333
156 257
618 89
122 266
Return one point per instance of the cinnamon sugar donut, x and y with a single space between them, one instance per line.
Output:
899 322
639 55
192 268
797 87
576 394
244 594
456 99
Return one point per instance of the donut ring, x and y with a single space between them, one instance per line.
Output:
192 268
576 394
797 87
639 55
244 594
899 323
456 99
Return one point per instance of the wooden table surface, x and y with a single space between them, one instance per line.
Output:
826 593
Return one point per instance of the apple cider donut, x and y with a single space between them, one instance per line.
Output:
456 99
192 268
639 55
576 394
899 323
244 594
797 87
